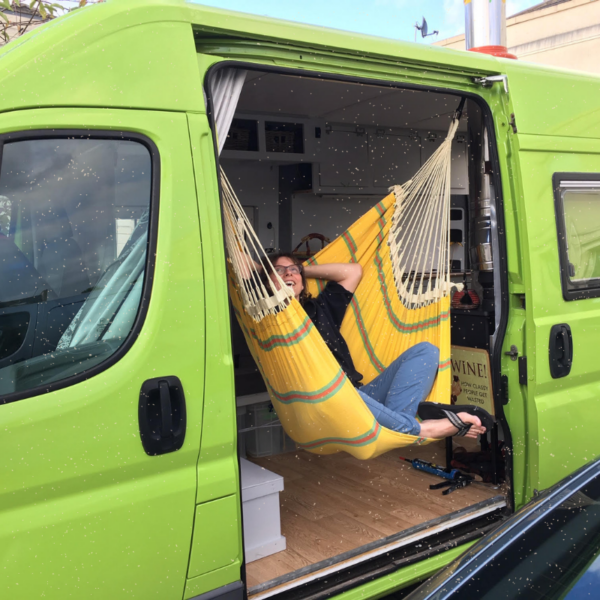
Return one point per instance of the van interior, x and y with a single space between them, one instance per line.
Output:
307 156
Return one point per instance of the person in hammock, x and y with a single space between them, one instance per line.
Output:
397 395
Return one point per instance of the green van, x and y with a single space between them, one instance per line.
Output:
139 454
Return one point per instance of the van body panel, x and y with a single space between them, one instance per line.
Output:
553 102
403 577
542 143
507 391
217 539
562 415
78 491
75 62
216 553
515 397
231 591
214 22
209 583
218 473
335 61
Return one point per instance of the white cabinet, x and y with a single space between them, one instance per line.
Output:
351 159
343 159
394 159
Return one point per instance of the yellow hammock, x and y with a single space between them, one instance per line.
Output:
403 299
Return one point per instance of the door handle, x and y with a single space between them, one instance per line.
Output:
164 393
560 350
162 415
565 333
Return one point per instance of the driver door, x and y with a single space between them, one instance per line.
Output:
101 353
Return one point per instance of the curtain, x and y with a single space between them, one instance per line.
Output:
226 87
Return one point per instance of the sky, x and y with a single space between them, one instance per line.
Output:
386 18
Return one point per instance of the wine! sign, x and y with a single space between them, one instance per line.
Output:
471 378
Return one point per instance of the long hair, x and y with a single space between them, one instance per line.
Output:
304 295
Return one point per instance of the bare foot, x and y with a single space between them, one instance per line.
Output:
440 428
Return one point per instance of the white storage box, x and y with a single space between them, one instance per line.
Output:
260 505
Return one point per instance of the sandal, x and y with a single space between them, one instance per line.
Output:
463 428
435 410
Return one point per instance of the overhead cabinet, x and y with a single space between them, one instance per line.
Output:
282 139
368 160
394 158
346 158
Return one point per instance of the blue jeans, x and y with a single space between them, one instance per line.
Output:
394 395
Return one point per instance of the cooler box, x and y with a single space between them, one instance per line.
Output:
260 506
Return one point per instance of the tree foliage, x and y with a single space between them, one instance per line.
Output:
19 16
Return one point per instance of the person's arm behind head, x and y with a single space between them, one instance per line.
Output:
247 265
348 275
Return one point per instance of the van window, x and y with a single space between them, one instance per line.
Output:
578 223
74 216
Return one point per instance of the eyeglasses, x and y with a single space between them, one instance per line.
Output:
291 269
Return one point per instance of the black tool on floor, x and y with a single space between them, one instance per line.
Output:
455 479
461 481
427 467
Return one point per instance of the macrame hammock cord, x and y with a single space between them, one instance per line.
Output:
403 298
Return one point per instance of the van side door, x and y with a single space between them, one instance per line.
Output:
101 353
559 371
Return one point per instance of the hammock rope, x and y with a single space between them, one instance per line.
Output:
403 298
412 241
242 242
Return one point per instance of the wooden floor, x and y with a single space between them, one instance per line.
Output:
333 504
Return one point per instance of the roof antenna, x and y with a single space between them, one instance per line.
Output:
423 29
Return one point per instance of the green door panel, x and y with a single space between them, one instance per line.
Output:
218 473
563 416
84 512
217 536
515 409
218 469
213 580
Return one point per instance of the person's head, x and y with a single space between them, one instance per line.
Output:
291 271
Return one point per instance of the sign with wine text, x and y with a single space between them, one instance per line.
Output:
471 378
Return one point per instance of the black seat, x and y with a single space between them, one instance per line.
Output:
61 262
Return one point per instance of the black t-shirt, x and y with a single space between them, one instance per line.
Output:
327 311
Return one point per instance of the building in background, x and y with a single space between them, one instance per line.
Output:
19 18
559 33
